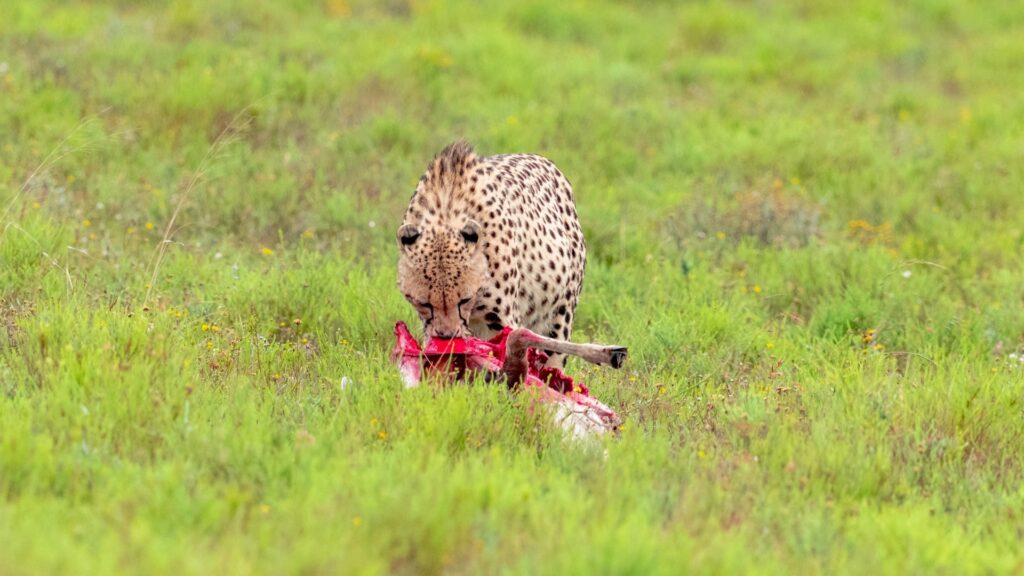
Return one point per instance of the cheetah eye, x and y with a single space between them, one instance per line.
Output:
414 302
471 232
407 235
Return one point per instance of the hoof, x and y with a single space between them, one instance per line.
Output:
618 356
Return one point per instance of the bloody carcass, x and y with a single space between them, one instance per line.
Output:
515 357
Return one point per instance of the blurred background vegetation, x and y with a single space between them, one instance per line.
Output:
803 217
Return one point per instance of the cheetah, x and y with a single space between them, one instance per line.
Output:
489 242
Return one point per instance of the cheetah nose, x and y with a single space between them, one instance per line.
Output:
444 335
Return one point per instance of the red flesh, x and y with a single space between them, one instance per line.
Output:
460 358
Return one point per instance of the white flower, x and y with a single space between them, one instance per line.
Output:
906 273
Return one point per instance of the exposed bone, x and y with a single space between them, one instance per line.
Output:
521 339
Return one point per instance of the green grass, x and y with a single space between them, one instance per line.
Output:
805 219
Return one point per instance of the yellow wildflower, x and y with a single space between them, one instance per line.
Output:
338 8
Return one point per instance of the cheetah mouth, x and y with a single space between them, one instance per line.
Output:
443 346
462 333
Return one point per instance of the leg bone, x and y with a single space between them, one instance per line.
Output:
521 339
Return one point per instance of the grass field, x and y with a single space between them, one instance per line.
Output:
805 219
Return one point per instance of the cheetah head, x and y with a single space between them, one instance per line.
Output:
441 268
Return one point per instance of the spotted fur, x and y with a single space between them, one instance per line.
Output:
489 242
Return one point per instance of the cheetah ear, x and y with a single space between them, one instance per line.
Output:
408 234
471 232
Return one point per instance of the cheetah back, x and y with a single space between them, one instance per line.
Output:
534 246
